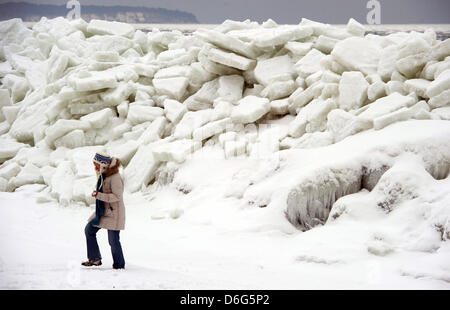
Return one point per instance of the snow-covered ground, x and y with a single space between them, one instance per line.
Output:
202 240
43 245
255 156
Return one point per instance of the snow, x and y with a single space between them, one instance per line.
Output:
285 137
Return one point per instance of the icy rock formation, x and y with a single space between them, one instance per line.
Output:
70 88
310 201
421 213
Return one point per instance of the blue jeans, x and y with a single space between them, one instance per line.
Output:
93 252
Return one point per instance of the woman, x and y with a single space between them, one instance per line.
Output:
109 211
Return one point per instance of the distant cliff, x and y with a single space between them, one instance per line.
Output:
33 12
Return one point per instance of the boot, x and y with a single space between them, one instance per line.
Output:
89 263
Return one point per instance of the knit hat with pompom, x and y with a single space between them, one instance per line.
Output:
103 159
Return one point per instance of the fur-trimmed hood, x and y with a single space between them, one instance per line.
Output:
113 167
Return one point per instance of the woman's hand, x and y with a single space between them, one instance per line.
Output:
94 193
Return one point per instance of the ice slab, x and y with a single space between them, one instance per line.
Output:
154 132
71 140
440 84
87 81
227 42
357 54
274 69
441 100
191 121
102 27
401 114
250 109
100 118
279 107
174 87
211 129
176 151
279 90
138 113
141 168
310 63
174 110
386 105
62 127
343 124
230 59
352 90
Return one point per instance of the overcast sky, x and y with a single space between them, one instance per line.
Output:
291 11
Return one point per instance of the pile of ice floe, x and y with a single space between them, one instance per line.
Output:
71 88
